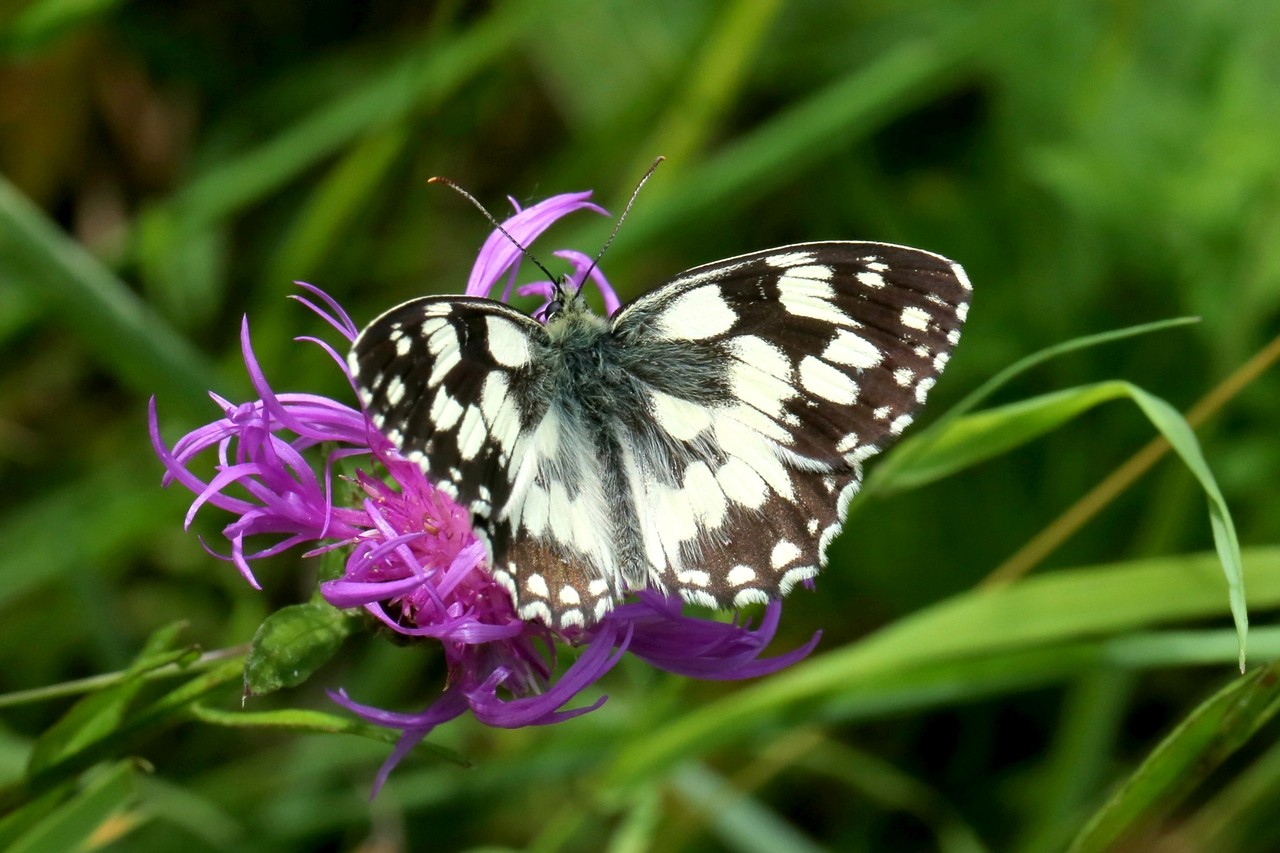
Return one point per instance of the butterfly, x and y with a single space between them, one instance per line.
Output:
705 440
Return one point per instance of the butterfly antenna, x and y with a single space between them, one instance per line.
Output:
498 225
623 216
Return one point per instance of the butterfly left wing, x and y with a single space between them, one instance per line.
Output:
464 388
453 383
771 378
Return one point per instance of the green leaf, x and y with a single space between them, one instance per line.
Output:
143 351
115 507
46 20
424 75
73 824
975 438
1061 607
740 822
302 720
971 439
826 121
98 715
1022 365
917 460
1201 742
291 644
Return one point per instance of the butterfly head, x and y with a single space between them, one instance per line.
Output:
567 309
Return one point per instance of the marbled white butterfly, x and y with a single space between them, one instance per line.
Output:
704 440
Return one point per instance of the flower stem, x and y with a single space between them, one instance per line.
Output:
206 661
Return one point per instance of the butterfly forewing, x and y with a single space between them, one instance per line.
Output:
705 442
453 384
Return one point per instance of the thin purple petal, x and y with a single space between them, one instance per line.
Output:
499 254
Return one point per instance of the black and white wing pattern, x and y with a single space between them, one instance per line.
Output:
705 441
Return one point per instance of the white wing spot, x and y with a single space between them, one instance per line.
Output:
535 610
681 419
904 376
795 576
760 375
863 453
827 382
961 276
394 392
846 495
403 343
741 484
673 513
922 390
569 595
547 435
784 554
872 279
508 344
750 596
740 575
808 295
853 350
789 259
706 498
697 596
535 514
445 411
695 577
471 434
962 311
440 336
598 587
537 585
696 314
899 424
915 318
505 577
446 362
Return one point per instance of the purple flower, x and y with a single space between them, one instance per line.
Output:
412 559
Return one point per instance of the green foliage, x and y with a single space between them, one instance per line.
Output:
167 170
292 644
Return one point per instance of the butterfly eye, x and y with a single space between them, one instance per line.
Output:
547 314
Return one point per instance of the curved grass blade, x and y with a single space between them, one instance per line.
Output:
1206 738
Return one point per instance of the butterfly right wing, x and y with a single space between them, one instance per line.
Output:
810 359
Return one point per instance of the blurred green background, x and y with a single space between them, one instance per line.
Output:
170 167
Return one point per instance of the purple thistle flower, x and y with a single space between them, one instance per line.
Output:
413 561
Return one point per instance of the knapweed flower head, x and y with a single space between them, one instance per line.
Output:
412 559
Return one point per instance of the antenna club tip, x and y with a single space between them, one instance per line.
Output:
436 179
